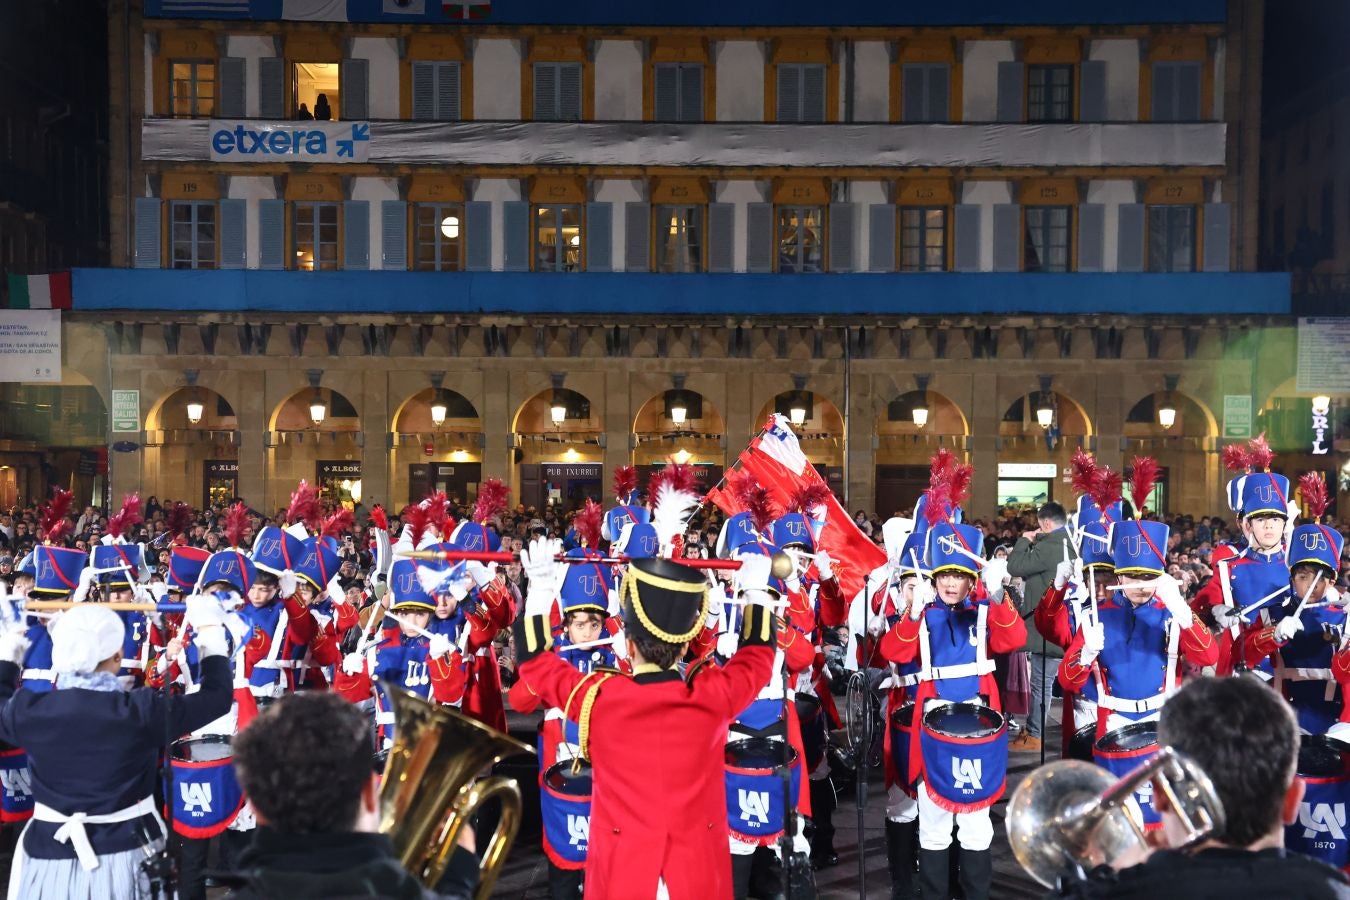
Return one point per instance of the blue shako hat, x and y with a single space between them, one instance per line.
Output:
56 570
1138 547
276 550
946 542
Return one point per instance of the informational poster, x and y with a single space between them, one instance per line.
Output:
1237 417
30 345
126 411
1324 356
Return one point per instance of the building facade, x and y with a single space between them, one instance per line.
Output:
507 240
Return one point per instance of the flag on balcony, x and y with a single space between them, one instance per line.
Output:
776 460
204 9
314 10
466 9
39 291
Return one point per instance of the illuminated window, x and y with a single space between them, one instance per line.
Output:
314 89
923 239
193 235
557 239
801 238
440 237
193 88
679 238
316 236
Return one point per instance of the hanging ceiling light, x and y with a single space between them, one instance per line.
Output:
919 411
558 411
318 410
1167 414
797 411
438 408
678 410
195 410
1045 412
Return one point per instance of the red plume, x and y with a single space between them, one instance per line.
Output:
809 496
625 479
943 462
416 518
587 524
491 500
339 523
1259 453
1314 489
1142 478
53 522
1083 471
756 501
438 515
127 518
959 486
1106 488
179 518
236 521
305 506
378 518
1236 458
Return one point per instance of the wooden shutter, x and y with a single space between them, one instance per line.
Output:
637 255
394 235
789 93
516 234
353 88
759 237
569 92
939 93
1164 92
1092 91
1130 240
966 233
424 90
356 234
1188 92
1091 236
599 237
271 234
231 103
1010 92
667 93
881 237
546 91
478 234
272 88
1218 225
721 237
813 94
691 93
843 255
1007 237
233 231
447 92
148 213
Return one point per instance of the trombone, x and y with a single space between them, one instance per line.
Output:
1072 816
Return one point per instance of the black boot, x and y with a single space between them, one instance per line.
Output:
741 867
933 875
822 812
902 851
977 873
955 858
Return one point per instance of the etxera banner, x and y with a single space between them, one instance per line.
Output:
30 345
299 141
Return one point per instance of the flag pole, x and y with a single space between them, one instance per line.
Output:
848 390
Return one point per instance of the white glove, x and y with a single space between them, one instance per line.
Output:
287 584
1169 592
159 591
440 647
82 589
923 596
992 574
1332 597
335 591
727 642
876 625
1094 639
482 575
203 611
754 573
1063 573
210 642
13 646
1287 627
1225 616
824 565
353 663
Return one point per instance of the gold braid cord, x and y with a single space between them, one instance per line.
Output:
584 722
629 588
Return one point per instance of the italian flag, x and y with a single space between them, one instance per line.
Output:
39 291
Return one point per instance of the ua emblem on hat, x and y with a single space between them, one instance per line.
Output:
1132 544
45 569
795 528
1314 540
649 543
1265 494
590 585
473 541
227 566
406 581
269 547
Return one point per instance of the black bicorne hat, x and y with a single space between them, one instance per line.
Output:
663 600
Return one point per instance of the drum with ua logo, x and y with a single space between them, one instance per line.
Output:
565 803
965 756
1321 828
755 811
206 793
1123 750
16 800
902 732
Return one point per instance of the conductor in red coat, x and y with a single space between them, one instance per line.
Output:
656 738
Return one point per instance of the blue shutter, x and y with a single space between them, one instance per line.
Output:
516 235
394 235
843 254
1091 237
1130 241
233 231
148 213
478 233
1092 91
721 237
914 93
423 90
272 88
1164 92
691 93
789 93
881 237
569 92
939 93
230 87
813 94
356 234
354 88
545 92
637 255
1188 92
667 91
271 234
447 92
1010 92
1007 237
599 237
759 237
1218 228
966 233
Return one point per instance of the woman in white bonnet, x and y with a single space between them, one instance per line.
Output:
94 749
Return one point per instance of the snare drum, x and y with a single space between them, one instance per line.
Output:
813 729
965 756
1324 766
901 733
755 812
206 793
565 803
16 782
1080 745
1123 750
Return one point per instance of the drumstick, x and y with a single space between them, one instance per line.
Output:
1092 592
1308 593
603 642
508 558
953 547
409 624
1262 602
120 606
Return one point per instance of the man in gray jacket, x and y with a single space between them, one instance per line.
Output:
1034 560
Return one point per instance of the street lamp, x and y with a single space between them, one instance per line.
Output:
1321 404
681 456
678 411
1045 413
797 411
919 411
557 412
1167 414
194 410
318 410
438 408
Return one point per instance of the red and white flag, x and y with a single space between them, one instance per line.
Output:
466 9
775 459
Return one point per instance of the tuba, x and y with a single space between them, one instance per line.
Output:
1071 816
430 790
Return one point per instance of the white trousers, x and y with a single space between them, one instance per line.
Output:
974 831
900 807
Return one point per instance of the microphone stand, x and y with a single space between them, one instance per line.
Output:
160 867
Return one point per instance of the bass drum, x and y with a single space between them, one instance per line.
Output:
1123 750
965 756
1324 766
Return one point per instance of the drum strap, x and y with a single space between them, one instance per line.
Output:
1120 704
1298 673
1148 704
1226 585
1173 650
982 665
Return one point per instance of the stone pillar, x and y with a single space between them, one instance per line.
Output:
1109 423
984 421
376 427
254 457
127 470
617 425
497 412
862 469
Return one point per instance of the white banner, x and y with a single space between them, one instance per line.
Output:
30 345
1324 356
289 142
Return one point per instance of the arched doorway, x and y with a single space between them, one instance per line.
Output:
1184 450
190 449
438 446
682 425
53 435
820 429
912 427
315 434
558 448
1038 435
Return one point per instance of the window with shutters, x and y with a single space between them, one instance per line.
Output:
316 230
192 235
1049 93
923 239
1176 91
801 238
925 88
679 92
436 91
557 92
1171 238
679 238
801 93
439 233
1046 244
314 91
193 88
557 238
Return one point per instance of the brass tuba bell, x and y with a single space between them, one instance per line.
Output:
429 791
